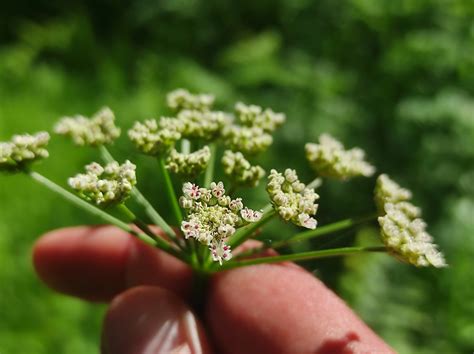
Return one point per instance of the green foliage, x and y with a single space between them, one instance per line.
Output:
397 80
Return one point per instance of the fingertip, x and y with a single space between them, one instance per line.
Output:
149 319
86 262
283 309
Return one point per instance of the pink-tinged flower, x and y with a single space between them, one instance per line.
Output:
236 205
220 251
307 221
191 190
250 215
217 189
190 229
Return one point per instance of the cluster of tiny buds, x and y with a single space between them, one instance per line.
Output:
253 115
212 217
252 133
96 131
188 165
388 191
206 125
292 199
182 99
403 231
330 159
22 150
153 138
240 171
105 186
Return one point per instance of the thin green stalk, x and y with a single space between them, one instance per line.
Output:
301 256
306 235
185 146
152 213
324 230
170 190
209 174
89 208
131 217
244 233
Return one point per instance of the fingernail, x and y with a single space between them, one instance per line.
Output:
149 320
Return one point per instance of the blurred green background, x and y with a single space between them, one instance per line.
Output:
393 77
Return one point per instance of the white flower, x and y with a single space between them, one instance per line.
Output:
188 165
240 171
190 229
291 199
98 130
217 189
153 138
307 221
104 186
191 190
212 216
220 251
402 230
23 150
330 159
250 215
183 99
252 115
236 205
388 191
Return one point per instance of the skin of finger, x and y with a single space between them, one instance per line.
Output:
149 319
97 263
283 309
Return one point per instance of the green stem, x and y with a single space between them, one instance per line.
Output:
324 230
209 174
161 243
154 216
306 235
185 146
170 190
90 208
244 233
302 256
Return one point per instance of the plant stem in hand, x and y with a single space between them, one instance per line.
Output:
152 213
90 208
300 256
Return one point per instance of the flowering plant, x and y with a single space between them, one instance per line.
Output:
210 221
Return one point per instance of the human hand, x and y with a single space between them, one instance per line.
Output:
270 308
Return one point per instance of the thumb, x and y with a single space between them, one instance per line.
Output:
151 320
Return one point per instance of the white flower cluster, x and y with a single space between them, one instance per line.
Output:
252 115
388 191
240 171
105 186
182 99
212 217
206 125
22 150
195 115
252 134
188 165
292 199
329 159
403 231
96 131
153 138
